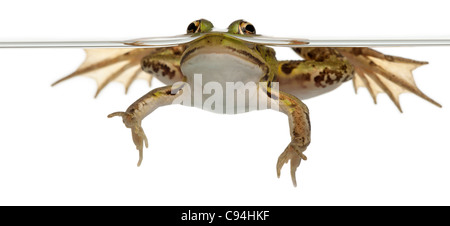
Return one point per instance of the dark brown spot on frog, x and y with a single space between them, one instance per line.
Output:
357 51
325 76
330 81
298 50
312 56
318 80
322 54
288 67
307 118
155 67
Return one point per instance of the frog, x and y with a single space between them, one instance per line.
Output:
223 57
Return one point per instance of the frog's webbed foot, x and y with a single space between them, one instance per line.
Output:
383 73
107 65
137 133
294 153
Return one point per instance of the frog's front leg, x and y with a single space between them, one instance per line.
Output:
137 111
300 130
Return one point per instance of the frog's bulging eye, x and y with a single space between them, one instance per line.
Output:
247 28
241 27
200 26
250 29
193 27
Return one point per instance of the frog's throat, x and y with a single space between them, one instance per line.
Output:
222 66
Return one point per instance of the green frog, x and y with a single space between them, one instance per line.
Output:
222 58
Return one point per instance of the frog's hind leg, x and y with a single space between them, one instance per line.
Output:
323 70
124 65
378 72
137 111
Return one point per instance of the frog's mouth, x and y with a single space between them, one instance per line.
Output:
222 64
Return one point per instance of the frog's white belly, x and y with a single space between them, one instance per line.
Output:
222 80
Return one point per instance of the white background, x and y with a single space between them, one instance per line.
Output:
58 148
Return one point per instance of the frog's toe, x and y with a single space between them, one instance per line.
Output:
294 153
137 133
139 138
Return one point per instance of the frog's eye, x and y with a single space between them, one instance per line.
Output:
241 27
246 28
200 26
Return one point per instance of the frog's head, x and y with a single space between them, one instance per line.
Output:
220 56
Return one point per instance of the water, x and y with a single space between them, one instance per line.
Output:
168 41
